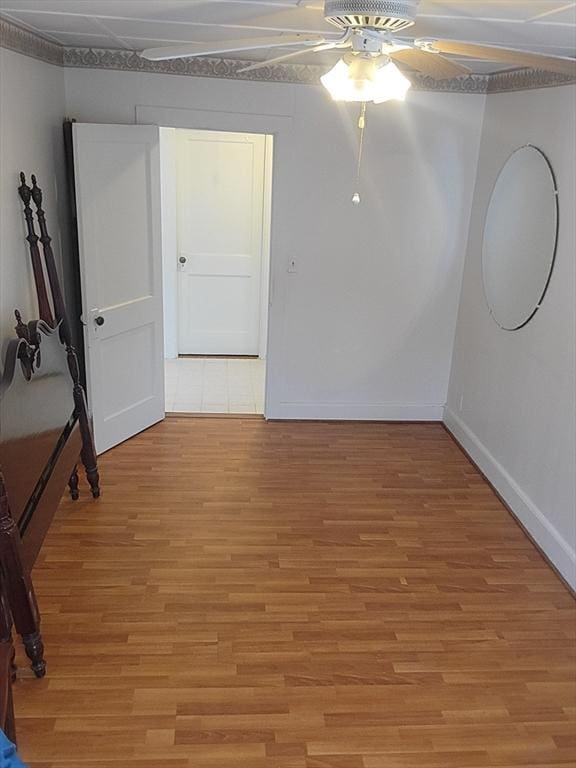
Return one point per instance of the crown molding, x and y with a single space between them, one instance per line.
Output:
526 80
28 43
205 66
302 74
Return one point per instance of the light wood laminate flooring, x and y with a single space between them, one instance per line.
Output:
297 595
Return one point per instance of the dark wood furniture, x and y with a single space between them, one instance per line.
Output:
45 431
6 666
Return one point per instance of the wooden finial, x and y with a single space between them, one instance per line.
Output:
20 328
24 190
36 192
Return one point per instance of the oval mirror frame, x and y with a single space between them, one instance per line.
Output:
495 252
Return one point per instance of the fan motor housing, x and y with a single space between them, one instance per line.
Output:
393 15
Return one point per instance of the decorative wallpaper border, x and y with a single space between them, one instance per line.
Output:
26 42
17 39
303 74
129 61
525 80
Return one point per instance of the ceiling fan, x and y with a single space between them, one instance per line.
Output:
371 68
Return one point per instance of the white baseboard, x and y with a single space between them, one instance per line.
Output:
356 411
550 541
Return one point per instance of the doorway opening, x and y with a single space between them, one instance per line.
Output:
216 210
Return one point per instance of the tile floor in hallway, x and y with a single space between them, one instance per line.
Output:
215 385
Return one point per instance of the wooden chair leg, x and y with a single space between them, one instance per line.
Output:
19 589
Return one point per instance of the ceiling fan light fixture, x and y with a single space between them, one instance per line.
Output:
363 79
390 84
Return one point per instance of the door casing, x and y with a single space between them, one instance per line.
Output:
280 126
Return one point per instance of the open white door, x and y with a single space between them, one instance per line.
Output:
119 229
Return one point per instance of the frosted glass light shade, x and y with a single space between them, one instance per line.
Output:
364 80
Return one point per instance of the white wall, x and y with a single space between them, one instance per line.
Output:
31 115
518 415
365 328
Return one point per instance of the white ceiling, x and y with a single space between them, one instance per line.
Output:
548 26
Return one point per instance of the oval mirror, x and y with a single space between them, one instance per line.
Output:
520 235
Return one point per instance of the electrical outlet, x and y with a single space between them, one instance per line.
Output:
461 403
292 266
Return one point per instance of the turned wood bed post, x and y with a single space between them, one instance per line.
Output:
43 302
88 453
7 665
50 262
73 484
20 592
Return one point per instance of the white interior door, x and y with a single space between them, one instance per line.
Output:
119 228
221 182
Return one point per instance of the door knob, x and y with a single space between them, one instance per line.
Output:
182 259
99 320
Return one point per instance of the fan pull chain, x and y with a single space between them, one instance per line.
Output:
361 126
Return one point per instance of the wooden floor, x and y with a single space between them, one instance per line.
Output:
297 595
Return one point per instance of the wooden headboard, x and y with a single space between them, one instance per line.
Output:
39 438
45 430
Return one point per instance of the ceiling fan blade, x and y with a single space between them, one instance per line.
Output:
291 55
432 64
228 46
563 65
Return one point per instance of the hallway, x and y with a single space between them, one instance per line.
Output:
215 385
